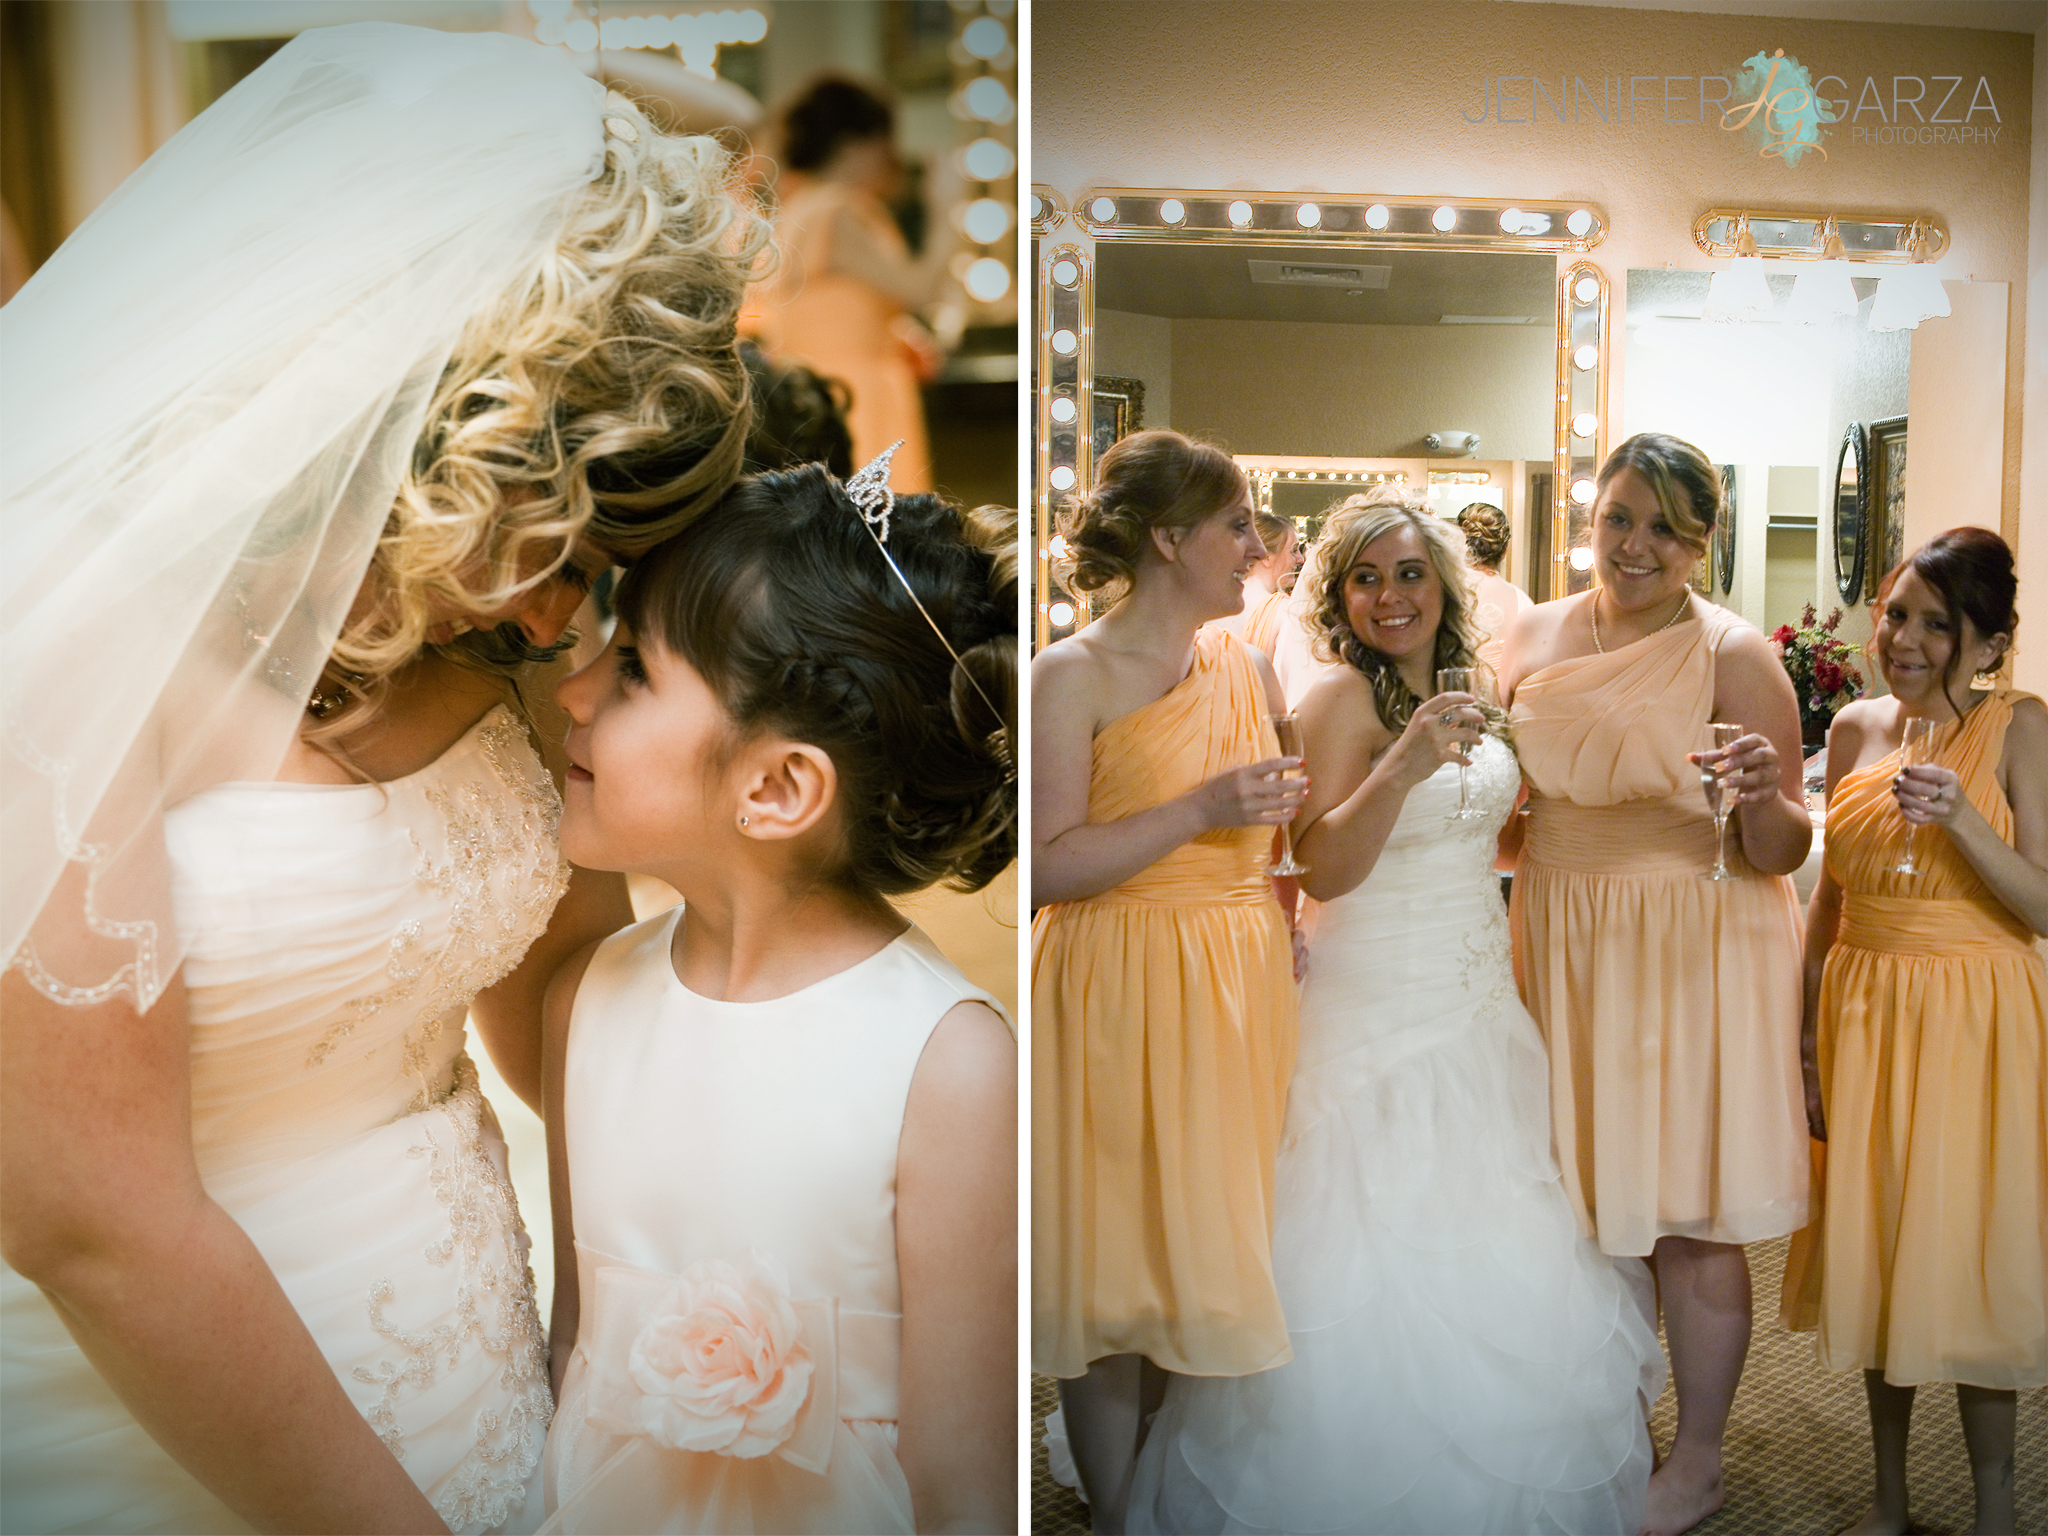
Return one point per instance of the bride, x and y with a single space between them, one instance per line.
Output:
315 434
1464 1360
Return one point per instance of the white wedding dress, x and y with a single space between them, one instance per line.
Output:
336 935
1464 1360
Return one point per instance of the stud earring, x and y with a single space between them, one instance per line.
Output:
743 821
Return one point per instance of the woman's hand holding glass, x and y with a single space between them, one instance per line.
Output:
1257 794
1747 768
1929 795
1442 730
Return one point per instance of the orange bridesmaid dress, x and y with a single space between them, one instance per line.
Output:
1670 1003
1163 1035
1933 1240
1262 621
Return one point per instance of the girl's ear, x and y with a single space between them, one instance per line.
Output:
1991 652
785 788
1167 541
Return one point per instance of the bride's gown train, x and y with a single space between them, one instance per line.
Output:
336 935
1464 1360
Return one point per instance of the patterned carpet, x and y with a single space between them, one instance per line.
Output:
1798 1453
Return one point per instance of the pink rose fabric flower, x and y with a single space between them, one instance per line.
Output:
722 1363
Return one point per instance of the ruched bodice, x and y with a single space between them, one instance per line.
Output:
1214 720
1162 1043
335 936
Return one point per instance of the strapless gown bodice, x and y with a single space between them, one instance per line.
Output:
335 936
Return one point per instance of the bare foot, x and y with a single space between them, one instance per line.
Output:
1677 1503
1878 1521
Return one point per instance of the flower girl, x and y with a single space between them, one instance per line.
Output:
781 1126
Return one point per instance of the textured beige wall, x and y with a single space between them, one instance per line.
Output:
1363 391
1325 95
1132 346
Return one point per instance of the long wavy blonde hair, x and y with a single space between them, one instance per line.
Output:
1350 526
601 397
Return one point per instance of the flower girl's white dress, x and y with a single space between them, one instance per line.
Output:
1464 1360
335 935
732 1168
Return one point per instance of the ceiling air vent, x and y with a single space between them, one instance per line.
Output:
1320 274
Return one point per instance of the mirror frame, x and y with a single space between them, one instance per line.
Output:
1849 582
1723 545
1066 234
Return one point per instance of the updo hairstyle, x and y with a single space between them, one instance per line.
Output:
1486 534
1147 480
1351 525
601 396
1687 484
1971 571
799 417
1274 530
784 605
828 112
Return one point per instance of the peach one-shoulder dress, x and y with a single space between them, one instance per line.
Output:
1163 1038
1670 1003
1933 1238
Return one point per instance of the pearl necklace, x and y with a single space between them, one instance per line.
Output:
1684 603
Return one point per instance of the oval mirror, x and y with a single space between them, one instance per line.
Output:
1852 489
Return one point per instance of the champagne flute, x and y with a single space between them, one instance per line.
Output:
1288 729
1720 736
1460 680
1915 749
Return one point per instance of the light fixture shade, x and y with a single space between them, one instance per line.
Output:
1822 292
1906 297
1739 294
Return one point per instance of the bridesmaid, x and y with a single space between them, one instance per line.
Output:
1266 589
1669 1002
1161 983
1926 1011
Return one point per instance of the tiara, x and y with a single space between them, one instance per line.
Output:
869 491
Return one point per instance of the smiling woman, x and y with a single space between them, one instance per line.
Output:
1161 985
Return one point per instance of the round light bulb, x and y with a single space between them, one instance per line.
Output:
988 99
1586 358
1061 614
1585 424
1064 342
988 159
1586 289
1066 273
1583 491
1579 222
1062 478
1062 409
1308 215
1037 206
985 38
1376 216
1058 546
1240 214
986 220
1172 211
581 36
1445 218
1103 210
987 280
1511 221
1581 558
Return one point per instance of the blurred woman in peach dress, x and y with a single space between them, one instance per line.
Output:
1669 1002
1162 991
1926 1022
1267 589
844 299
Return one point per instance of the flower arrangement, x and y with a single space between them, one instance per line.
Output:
1822 668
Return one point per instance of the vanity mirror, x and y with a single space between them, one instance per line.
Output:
1324 342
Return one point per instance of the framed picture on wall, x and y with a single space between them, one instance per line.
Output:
1119 410
1887 499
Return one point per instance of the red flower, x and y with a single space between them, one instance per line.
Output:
1783 634
1827 676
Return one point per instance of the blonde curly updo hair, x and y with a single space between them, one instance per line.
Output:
601 397
1147 480
1352 525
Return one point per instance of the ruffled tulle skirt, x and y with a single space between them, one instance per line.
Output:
1464 1359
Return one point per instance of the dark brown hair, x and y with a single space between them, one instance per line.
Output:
1685 481
825 114
1486 533
781 600
1147 480
1971 571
